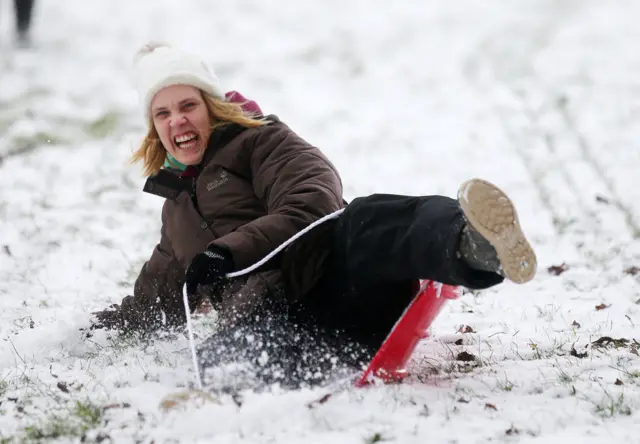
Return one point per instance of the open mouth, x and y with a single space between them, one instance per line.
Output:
186 141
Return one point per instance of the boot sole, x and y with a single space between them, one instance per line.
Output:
492 214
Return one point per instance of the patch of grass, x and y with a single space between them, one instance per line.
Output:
564 377
376 437
548 312
122 342
39 138
4 386
611 406
555 349
536 350
104 125
505 385
456 368
88 412
75 422
117 344
631 375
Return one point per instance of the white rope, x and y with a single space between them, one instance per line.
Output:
185 297
285 244
192 344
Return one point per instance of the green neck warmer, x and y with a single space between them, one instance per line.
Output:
171 162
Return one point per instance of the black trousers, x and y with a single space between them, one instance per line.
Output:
380 246
23 10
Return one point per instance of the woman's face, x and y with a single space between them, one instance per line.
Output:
181 119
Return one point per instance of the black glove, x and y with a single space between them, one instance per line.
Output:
208 268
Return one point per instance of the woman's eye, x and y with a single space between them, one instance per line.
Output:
162 114
189 105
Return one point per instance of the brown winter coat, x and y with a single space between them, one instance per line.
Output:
256 188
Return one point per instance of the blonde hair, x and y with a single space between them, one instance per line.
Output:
153 154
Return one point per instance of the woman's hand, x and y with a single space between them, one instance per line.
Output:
208 268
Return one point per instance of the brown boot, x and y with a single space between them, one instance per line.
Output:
493 239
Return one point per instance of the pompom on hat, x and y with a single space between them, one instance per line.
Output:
158 65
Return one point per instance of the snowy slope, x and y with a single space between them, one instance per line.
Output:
541 97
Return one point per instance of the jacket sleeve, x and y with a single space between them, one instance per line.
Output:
157 295
297 184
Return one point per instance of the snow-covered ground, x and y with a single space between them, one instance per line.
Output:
541 97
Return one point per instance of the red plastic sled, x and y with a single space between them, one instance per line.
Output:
390 361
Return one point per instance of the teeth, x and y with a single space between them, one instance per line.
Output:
185 137
187 145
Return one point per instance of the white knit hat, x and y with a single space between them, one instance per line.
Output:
157 66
